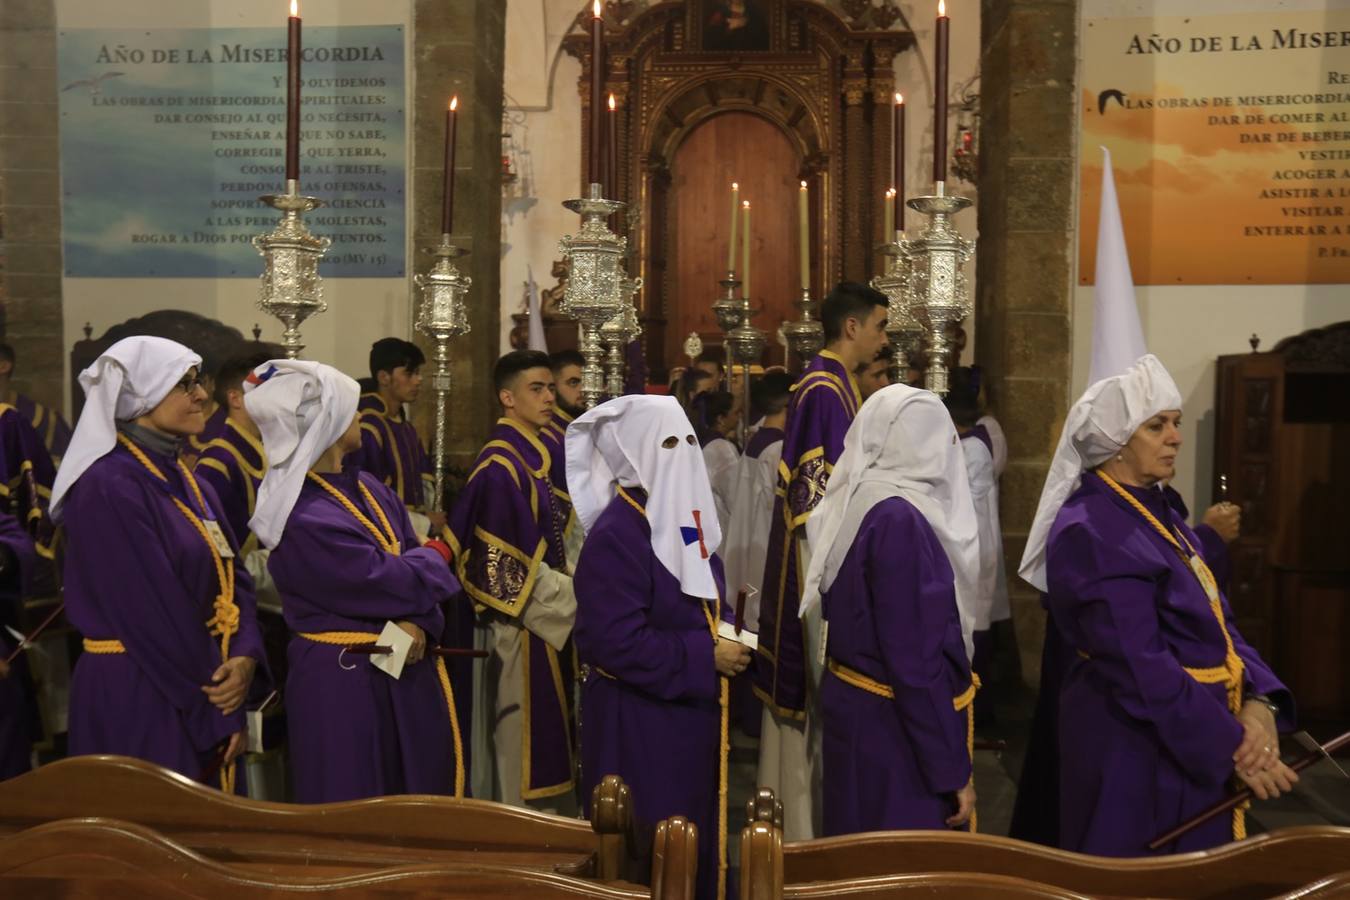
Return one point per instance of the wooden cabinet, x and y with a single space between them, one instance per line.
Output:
1282 440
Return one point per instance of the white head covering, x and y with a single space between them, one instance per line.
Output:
301 408
620 443
1117 337
128 380
902 444
1098 425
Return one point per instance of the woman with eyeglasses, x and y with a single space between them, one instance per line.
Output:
153 578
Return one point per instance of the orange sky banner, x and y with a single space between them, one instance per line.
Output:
1230 139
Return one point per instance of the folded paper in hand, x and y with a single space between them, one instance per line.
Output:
399 642
726 630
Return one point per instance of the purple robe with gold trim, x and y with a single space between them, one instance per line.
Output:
392 451
893 763
554 435
824 402
215 427
1143 745
234 464
49 424
653 706
139 572
353 730
506 522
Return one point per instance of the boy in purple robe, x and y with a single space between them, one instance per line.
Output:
49 424
390 447
233 463
895 526
824 402
1163 701
154 580
567 405
507 533
654 701
347 562
26 544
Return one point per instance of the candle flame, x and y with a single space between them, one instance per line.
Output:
735 186
295 9
942 8
746 204
611 103
899 99
803 185
595 9
454 103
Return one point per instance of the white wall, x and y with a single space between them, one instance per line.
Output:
1189 327
544 115
359 309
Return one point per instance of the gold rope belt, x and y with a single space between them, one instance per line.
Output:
342 638
109 646
963 701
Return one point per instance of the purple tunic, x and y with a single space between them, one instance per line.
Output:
233 464
48 423
824 402
652 706
139 572
215 427
353 730
893 763
553 436
392 451
1035 815
504 524
17 702
1143 744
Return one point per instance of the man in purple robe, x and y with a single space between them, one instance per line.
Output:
390 447
875 375
824 402
26 476
154 580
648 589
894 528
1162 702
50 425
349 565
233 462
507 533
567 405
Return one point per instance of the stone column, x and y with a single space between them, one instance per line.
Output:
458 48
856 154
30 198
1025 291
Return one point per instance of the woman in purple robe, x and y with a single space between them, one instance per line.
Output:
1163 703
347 561
654 699
153 578
897 695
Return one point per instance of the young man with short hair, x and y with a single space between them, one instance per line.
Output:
824 402
390 447
507 534
875 375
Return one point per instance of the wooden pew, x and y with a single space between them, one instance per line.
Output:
1264 866
334 838
100 858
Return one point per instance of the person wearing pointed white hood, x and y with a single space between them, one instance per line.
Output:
153 578
893 535
347 562
1163 702
649 588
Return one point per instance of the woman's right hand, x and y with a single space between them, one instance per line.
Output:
730 657
1268 784
419 647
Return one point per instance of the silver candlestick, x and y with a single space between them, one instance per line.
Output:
747 345
597 287
617 334
903 329
941 291
291 287
727 309
805 336
442 315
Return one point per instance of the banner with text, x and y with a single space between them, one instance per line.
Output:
168 138
1230 140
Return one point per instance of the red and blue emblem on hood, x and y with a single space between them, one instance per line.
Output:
695 534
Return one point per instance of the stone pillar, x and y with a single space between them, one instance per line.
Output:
30 198
458 48
856 154
1025 291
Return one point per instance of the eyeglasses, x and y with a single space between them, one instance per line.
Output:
189 384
